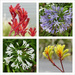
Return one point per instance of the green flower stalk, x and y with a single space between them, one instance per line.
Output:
60 52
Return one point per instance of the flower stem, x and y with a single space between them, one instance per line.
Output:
14 71
61 64
10 32
8 69
55 64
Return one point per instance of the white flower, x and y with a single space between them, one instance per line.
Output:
9 52
23 65
17 43
27 45
29 64
24 42
8 59
17 62
11 45
13 64
16 66
19 52
8 48
30 50
32 56
19 59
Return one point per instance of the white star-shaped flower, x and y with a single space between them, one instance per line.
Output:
19 52
9 52
8 59
19 59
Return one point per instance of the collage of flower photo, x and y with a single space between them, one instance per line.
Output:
34 43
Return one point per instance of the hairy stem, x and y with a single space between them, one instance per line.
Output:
55 64
61 64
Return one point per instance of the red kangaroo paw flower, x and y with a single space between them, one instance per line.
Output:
17 6
18 27
26 23
12 11
32 32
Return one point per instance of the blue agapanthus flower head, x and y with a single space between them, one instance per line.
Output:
56 19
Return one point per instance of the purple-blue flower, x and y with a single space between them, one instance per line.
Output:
55 20
56 16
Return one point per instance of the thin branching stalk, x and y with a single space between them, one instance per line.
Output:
55 65
61 64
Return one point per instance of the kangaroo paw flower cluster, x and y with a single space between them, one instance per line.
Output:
58 49
19 56
20 27
56 19
32 32
60 52
48 52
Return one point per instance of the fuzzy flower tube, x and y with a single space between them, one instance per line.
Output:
20 28
60 52
56 20
19 57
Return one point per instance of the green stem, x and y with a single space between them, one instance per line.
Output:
8 69
14 71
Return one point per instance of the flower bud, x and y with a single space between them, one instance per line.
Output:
68 54
45 55
65 51
50 54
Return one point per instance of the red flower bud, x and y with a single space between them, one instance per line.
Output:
32 32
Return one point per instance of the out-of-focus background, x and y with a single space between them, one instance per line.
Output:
29 7
45 65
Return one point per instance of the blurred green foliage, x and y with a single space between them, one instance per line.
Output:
45 42
42 6
31 42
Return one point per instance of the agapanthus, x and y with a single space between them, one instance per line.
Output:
56 20
19 56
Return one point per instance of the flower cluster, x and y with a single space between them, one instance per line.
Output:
20 27
60 53
32 31
17 56
48 52
58 49
56 19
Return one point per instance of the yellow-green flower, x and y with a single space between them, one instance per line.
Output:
59 50
48 52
